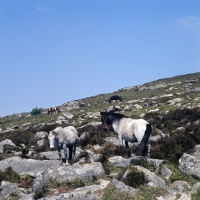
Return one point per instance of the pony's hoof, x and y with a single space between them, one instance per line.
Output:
66 163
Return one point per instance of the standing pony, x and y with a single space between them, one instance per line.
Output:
64 137
115 97
131 130
54 109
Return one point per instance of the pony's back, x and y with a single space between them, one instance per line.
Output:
71 135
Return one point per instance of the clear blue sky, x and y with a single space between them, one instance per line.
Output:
56 51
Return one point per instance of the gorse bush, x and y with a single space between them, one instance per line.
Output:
36 111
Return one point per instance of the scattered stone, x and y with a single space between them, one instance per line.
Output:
180 186
165 172
190 163
41 134
121 187
6 141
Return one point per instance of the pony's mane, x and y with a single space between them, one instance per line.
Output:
116 115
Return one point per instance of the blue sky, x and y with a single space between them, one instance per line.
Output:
56 51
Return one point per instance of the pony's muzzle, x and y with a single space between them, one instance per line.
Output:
52 149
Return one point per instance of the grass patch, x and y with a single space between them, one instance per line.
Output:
196 196
178 175
5 155
10 175
147 193
60 186
119 170
13 196
109 193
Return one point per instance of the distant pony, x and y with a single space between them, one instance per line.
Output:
54 109
130 130
115 97
64 138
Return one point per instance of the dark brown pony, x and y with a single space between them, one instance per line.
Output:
115 97
54 109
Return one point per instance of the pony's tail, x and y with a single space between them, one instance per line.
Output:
142 147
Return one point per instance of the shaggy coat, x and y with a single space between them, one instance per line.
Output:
64 138
130 130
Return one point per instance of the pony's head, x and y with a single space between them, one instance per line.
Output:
58 109
51 138
105 120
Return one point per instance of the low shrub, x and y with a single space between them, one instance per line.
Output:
36 111
134 178
172 148
10 175
10 148
144 163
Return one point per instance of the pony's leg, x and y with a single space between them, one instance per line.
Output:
120 139
148 150
59 154
65 153
75 149
70 152
126 143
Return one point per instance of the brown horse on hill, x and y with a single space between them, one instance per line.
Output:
54 109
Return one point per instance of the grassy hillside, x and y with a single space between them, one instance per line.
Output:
171 105
181 86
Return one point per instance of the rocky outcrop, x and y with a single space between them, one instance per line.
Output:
68 173
190 163
44 166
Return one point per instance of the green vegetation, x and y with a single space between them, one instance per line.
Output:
178 175
144 164
109 193
196 196
173 146
60 186
134 177
118 170
10 175
36 111
147 193
180 123
13 196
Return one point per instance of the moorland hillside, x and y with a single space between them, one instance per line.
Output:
102 168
